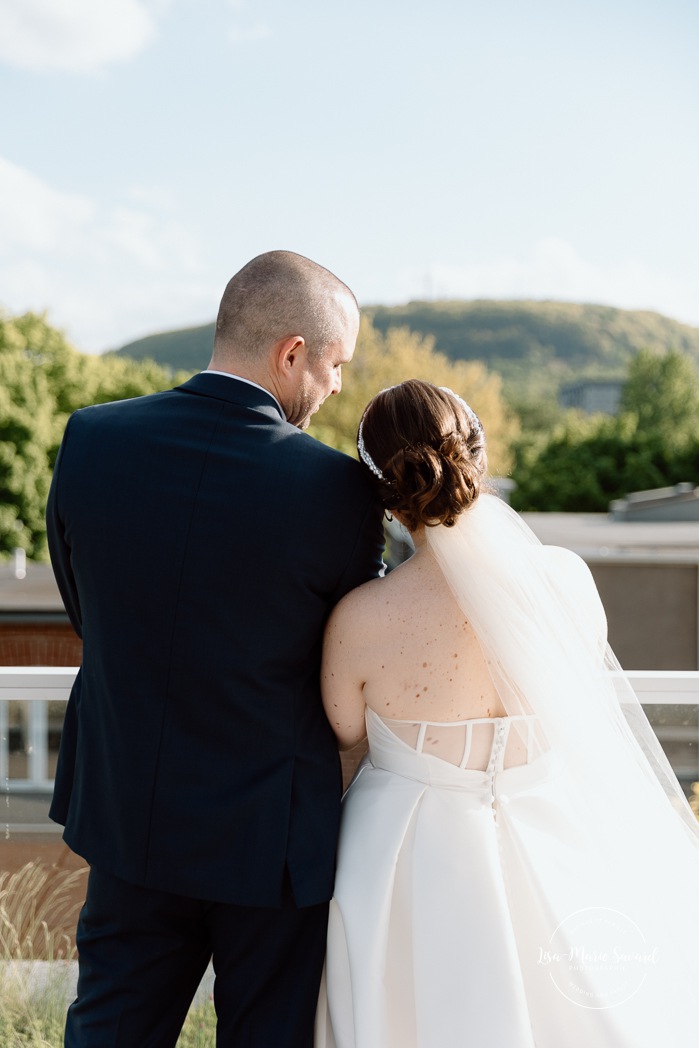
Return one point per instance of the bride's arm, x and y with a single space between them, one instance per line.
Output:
342 681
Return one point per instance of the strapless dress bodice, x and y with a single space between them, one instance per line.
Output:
464 755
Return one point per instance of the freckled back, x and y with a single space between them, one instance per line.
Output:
423 660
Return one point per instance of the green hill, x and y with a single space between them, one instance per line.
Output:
576 334
188 349
536 344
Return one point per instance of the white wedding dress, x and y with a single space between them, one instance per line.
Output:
495 888
465 915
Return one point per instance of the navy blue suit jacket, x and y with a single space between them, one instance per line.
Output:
199 542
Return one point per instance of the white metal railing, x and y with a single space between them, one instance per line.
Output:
25 695
657 687
27 691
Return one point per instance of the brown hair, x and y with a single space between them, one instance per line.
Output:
429 450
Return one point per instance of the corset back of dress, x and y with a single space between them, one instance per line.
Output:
487 744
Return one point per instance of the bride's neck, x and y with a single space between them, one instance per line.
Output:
419 537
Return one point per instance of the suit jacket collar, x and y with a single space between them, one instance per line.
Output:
221 387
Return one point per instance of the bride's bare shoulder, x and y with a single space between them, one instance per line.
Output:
360 598
361 606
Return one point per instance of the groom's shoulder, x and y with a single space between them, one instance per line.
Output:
126 409
331 461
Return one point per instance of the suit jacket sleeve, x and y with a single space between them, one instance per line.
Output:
366 559
59 547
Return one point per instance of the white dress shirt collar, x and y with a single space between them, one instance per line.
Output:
239 378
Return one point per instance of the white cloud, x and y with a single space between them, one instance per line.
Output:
35 216
554 270
132 232
103 272
150 240
111 271
77 36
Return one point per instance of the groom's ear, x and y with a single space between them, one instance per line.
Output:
290 352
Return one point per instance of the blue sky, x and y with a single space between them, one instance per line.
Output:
450 148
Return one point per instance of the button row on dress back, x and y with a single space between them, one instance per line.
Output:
499 740
500 728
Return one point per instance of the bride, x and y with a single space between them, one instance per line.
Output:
518 867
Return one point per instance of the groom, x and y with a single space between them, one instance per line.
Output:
200 539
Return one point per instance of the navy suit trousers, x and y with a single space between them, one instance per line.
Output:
143 953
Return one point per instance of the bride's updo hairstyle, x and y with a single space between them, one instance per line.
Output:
426 449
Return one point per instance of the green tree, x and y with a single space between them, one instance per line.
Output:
662 392
26 429
68 373
588 461
42 380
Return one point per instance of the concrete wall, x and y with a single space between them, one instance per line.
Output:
652 612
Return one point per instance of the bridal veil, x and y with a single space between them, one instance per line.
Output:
539 619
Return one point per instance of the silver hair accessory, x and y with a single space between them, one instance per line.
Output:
364 454
471 414
368 460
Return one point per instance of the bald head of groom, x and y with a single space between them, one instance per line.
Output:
288 324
